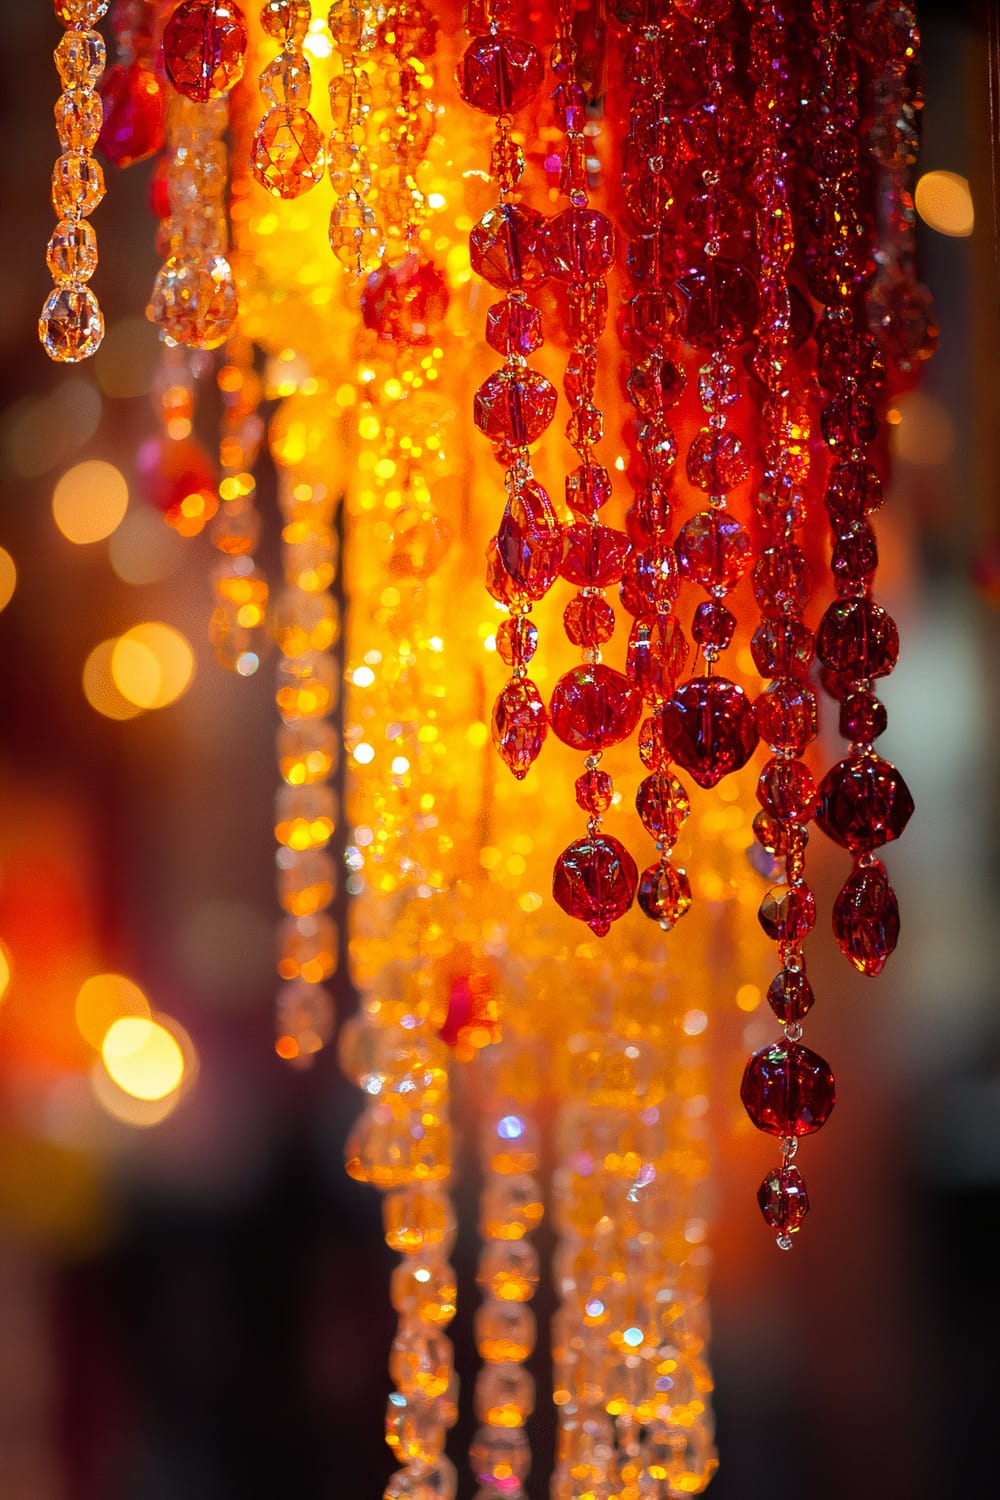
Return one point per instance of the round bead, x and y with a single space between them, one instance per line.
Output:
709 728
858 638
79 13
134 114
787 913
663 806
80 59
863 802
204 48
593 706
790 996
713 549
581 245
72 252
500 74
783 1200
508 247
286 19
788 1090
194 301
595 880
664 894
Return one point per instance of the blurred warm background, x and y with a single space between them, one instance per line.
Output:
191 1291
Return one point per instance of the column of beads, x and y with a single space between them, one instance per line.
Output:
863 801
709 723
357 237
241 591
593 706
132 93
783 645
71 324
507 1274
176 472
407 35
289 151
658 648
499 74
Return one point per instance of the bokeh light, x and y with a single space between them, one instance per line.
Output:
99 687
127 360
90 501
923 432
5 971
37 435
8 578
143 1057
944 202
104 999
152 664
144 550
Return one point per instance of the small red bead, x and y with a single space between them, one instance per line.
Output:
517 640
863 802
863 717
783 1199
655 384
519 725
651 579
782 580
786 789
593 706
508 247
513 327
134 114
594 791
866 918
588 487
716 461
663 806
595 879
709 728
853 491
788 1090
713 625
713 549
787 715
588 621
405 302
790 996
787 913
664 894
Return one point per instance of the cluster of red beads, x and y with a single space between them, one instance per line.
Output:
132 91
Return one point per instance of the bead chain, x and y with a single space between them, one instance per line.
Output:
288 156
357 237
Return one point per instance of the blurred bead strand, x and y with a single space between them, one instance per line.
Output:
499 74
288 157
593 706
132 93
71 325
241 591
783 646
658 648
407 35
357 237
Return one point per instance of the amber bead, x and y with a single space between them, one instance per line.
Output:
79 117
508 247
72 251
857 638
664 894
79 13
77 185
588 621
500 74
517 640
863 802
718 302
289 153
519 725
204 47
593 556
595 879
285 20
71 325
783 1199
788 1090
134 114
581 245
709 728
594 706
713 549
663 806
514 406
790 996
866 918
655 383
787 715
657 652
787 913
529 540
194 302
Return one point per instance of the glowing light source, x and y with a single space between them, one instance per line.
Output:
152 664
944 202
90 501
143 1057
99 686
105 999
8 578
5 971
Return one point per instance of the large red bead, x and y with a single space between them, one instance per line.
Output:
657 651
782 648
593 556
716 461
204 48
866 918
593 706
581 245
519 725
134 114
170 471
595 879
787 1089
858 638
787 715
709 728
863 802
713 549
405 301
500 74
651 579
530 539
508 247
514 406
783 1199
718 303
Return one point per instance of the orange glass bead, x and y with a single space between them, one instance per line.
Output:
79 13
289 153
71 326
194 302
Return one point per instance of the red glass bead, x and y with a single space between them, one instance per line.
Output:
204 48
170 471
655 384
901 314
658 446
713 549
570 106
782 648
519 725
585 427
649 196
858 638
594 791
500 74
787 715
846 353
787 913
709 728
718 304
651 579
588 621
581 375
664 894
652 257
862 718
863 802
783 1199
513 327
866 918
854 560
649 516
595 879
853 491
134 114
581 244
507 247
517 640
530 539
652 744
787 789
594 556
713 626
722 136
593 706
588 487
782 580
514 406
717 461
649 318
657 652
404 302
586 311
848 421
499 583
663 806
790 996
788 1090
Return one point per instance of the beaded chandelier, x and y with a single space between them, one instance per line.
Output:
570 328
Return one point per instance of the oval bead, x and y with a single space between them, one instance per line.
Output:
863 802
595 879
519 725
866 918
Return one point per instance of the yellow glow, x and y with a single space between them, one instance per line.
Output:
152 664
143 1058
104 999
99 686
5 970
944 202
748 997
8 578
89 501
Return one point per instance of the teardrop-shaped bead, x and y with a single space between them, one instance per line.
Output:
866 918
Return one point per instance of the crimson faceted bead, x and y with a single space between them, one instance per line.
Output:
514 406
507 247
593 556
517 640
709 728
716 461
866 918
786 788
513 327
790 996
581 244
651 579
713 549
499 584
718 303
788 1090
787 913
655 384
204 48
649 318
500 74
848 421
652 256
863 717
663 806
588 621
657 651
652 744
787 715
782 580
782 648
594 790
649 516
857 638
405 301
853 491
783 1199
519 725
134 114
595 879
530 539
664 894
713 625
863 802
854 560
593 706
588 487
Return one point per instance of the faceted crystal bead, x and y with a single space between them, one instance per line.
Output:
581 375
787 1090
716 461
505 1331
71 325
418 1219
657 652
72 252
286 19
593 706
585 427
77 185
787 913
866 917
786 789
414 1430
783 1200
853 491
782 580
595 880
655 383
588 487
854 560
782 648
858 638
286 82
354 234
650 515
650 318
500 1457
420 1365
664 894
790 996
658 446
78 117
594 790
529 540
848 421
424 1288
709 728
593 556
588 621
204 47
649 196
651 579
517 640
500 74
505 1395
787 716
194 301
718 303
713 549
514 327
863 802
581 245
863 717
519 725
289 153
713 626
80 59
652 743
308 948
134 114
663 806
79 13
514 406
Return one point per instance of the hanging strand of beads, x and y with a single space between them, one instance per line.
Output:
407 36
658 648
71 325
357 237
593 706
241 592
500 74
289 151
132 94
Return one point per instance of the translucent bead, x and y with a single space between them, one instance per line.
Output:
286 20
595 879
307 687
309 556
508 1270
80 58
419 1219
414 1430
289 153
80 13
500 1455
286 82
307 752
438 1483
424 1289
305 1017
204 48
194 302
72 252
308 948
505 1331
304 622
511 1207
355 237
77 185
420 1362
305 816
505 1395
71 325
78 116
307 881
